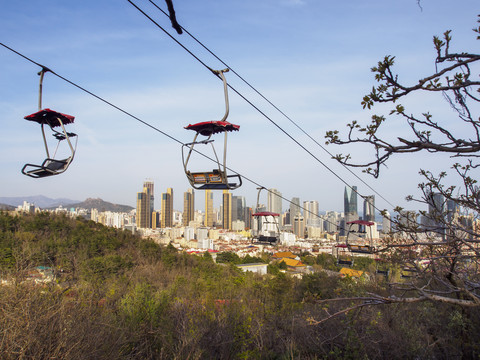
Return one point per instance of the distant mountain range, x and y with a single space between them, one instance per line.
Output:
44 202
38 200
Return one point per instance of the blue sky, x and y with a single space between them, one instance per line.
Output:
312 59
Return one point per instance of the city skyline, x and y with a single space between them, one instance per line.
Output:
303 226
316 69
306 208
233 208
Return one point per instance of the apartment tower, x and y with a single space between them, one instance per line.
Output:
148 184
274 203
299 226
143 217
167 208
188 207
369 208
227 210
145 206
310 213
208 208
294 209
238 208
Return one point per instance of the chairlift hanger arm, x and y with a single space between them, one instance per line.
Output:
42 74
258 196
40 87
225 90
220 73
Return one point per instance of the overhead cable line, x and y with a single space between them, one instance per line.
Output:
250 103
272 104
91 93
139 120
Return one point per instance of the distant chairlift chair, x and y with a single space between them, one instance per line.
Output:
382 267
365 247
268 217
342 257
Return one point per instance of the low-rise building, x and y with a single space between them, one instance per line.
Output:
259 268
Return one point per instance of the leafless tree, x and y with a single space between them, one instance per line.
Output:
437 249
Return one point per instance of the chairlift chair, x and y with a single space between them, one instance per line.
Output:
365 247
342 257
408 271
53 119
382 267
268 218
217 179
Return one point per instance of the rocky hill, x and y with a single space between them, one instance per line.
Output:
101 205
6 207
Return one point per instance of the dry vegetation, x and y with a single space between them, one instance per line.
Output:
117 296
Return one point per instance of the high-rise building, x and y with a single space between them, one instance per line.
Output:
238 208
386 222
286 218
143 217
209 216
350 200
227 210
369 208
167 208
437 213
149 185
453 209
188 207
155 218
310 213
350 210
299 226
331 221
408 218
143 207
274 201
235 213
294 208
436 204
248 217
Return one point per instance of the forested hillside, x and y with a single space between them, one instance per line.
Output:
116 296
